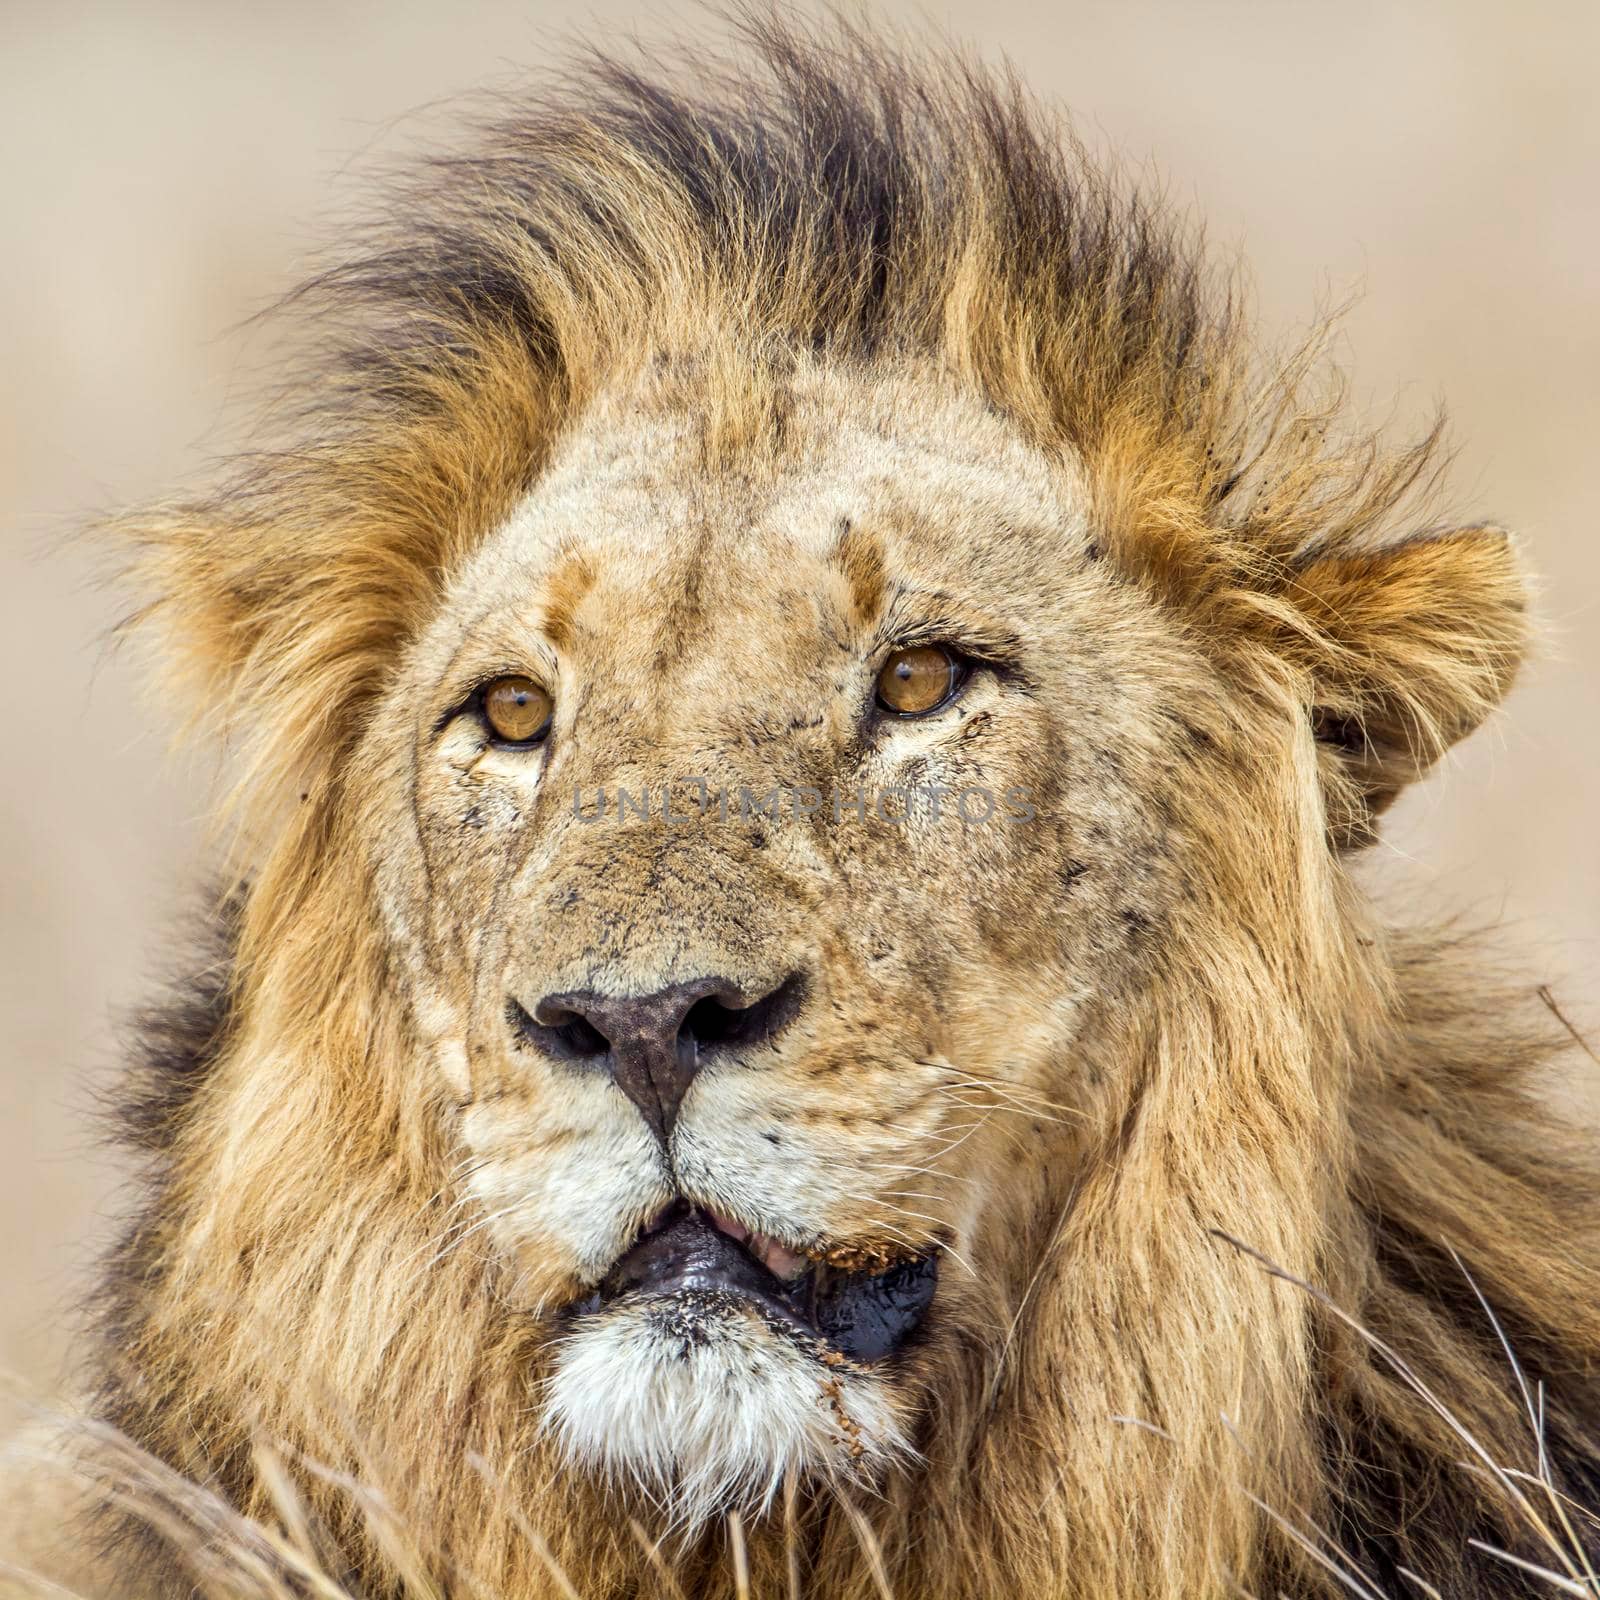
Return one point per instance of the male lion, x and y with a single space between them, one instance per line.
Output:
804 716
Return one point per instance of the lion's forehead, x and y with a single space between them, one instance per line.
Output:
941 485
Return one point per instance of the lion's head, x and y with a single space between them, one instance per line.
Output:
762 831
803 724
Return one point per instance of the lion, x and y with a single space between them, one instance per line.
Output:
792 1011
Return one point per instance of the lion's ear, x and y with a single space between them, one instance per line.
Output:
1418 643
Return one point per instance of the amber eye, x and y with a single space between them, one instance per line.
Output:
919 680
517 710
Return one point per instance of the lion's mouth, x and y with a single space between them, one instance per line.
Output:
863 1315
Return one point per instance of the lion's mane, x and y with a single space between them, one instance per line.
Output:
1360 1107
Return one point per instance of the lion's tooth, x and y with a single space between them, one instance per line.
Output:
734 1230
781 1262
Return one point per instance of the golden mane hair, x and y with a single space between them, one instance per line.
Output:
831 201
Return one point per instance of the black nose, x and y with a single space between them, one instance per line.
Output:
652 1044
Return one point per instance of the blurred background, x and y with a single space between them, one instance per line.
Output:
168 168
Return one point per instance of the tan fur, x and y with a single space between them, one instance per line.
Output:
701 463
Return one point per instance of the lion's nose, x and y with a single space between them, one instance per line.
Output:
653 1044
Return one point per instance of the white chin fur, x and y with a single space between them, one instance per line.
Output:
706 1409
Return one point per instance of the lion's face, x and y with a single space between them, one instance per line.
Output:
759 996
